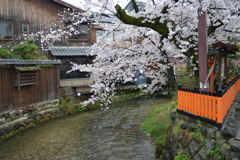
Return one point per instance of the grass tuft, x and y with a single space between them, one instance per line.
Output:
158 122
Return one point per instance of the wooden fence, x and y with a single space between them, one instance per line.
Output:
213 107
13 97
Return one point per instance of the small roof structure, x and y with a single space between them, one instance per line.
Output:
129 7
71 51
27 62
222 48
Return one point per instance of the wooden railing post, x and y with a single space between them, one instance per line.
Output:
219 110
219 106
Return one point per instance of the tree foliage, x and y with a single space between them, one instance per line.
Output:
158 36
22 50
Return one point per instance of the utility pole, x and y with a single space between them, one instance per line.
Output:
202 49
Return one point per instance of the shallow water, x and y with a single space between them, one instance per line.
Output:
113 134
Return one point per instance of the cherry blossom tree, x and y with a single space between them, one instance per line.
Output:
149 41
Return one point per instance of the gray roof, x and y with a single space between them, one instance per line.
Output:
129 6
71 51
28 62
105 19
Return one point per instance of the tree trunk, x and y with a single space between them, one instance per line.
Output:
171 82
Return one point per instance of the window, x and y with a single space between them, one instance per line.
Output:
104 36
6 30
108 36
26 76
81 34
25 28
118 35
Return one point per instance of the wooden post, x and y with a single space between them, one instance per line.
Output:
58 80
18 80
202 49
211 87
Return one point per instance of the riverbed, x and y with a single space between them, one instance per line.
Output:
112 134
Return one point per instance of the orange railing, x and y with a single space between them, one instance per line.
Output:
213 107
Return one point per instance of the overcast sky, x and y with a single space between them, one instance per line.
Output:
78 3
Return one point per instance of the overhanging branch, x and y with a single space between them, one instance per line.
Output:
157 26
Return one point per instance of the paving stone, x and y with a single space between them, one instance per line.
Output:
203 153
193 147
234 145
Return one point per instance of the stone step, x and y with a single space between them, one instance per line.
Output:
234 144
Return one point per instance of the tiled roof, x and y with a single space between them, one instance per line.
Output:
129 7
68 5
28 62
70 51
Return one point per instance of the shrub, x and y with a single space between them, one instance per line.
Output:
68 106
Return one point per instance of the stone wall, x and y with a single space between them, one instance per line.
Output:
198 141
14 121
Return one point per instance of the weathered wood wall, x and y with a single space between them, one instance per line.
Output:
11 98
38 13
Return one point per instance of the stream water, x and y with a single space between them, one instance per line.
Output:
113 134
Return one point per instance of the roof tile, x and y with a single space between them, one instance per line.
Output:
28 62
71 51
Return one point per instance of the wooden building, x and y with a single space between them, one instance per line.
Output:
23 16
74 82
19 17
25 82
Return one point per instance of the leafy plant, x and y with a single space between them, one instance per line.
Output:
181 157
177 127
81 109
231 69
198 134
4 53
68 106
216 152
23 50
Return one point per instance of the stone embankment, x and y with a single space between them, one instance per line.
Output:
196 140
16 120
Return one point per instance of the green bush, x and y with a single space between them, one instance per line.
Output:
68 106
25 50
81 109
21 50
4 53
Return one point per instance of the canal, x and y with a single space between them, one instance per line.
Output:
112 134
